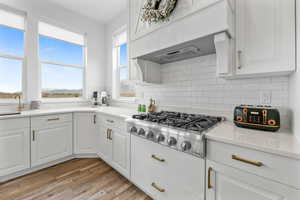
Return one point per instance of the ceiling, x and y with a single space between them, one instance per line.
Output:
100 10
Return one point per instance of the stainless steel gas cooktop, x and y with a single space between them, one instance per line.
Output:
180 131
189 122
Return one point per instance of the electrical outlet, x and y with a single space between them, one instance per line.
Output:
265 97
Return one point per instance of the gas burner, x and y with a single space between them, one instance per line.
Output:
189 122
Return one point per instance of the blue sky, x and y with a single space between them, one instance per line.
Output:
12 43
10 75
123 61
53 76
58 77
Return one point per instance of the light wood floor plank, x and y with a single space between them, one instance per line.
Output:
78 179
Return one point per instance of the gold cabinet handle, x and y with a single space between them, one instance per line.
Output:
110 134
33 135
107 133
95 119
54 119
157 188
257 164
157 158
209 185
239 59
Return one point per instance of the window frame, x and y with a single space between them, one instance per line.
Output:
116 66
84 97
8 101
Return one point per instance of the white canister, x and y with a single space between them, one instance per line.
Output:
35 104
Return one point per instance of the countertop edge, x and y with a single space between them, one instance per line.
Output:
256 148
36 113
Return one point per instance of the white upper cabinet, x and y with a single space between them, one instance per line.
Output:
85 125
265 37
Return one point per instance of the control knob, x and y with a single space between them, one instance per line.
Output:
186 145
141 132
160 137
172 141
150 135
133 129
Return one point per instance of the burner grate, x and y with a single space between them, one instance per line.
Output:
192 122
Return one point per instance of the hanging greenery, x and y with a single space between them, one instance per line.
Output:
155 11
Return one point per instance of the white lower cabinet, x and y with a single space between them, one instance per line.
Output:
113 144
164 173
104 145
85 125
121 151
228 183
52 142
14 146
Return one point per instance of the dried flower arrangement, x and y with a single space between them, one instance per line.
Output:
155 11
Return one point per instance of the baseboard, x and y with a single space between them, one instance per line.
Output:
50 164
88 155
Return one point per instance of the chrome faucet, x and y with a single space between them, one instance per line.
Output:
20 105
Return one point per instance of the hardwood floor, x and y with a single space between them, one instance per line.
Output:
78 179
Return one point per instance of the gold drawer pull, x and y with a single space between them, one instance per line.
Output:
157 188
209 185
257 164
54 119
158 159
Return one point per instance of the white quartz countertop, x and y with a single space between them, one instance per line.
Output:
282 143
115 111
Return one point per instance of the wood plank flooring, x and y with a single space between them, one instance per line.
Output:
78 179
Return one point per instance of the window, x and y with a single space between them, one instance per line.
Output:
11 54
123 88
62 58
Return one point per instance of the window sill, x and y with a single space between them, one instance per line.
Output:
4 102
64 100
126 100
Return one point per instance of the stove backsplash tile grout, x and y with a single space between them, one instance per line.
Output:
192 86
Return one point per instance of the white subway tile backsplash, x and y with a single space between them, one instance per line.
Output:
192 86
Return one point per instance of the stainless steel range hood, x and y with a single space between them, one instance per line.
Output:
194 48
208 31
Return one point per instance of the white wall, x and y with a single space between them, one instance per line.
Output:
295 86
37 10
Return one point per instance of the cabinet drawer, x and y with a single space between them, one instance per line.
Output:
48 120
9 124
110 121
278 168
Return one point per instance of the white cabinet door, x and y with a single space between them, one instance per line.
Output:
165 173
265 36
51 143
144 169
227 183
104 144
84 133
14 151
121 152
